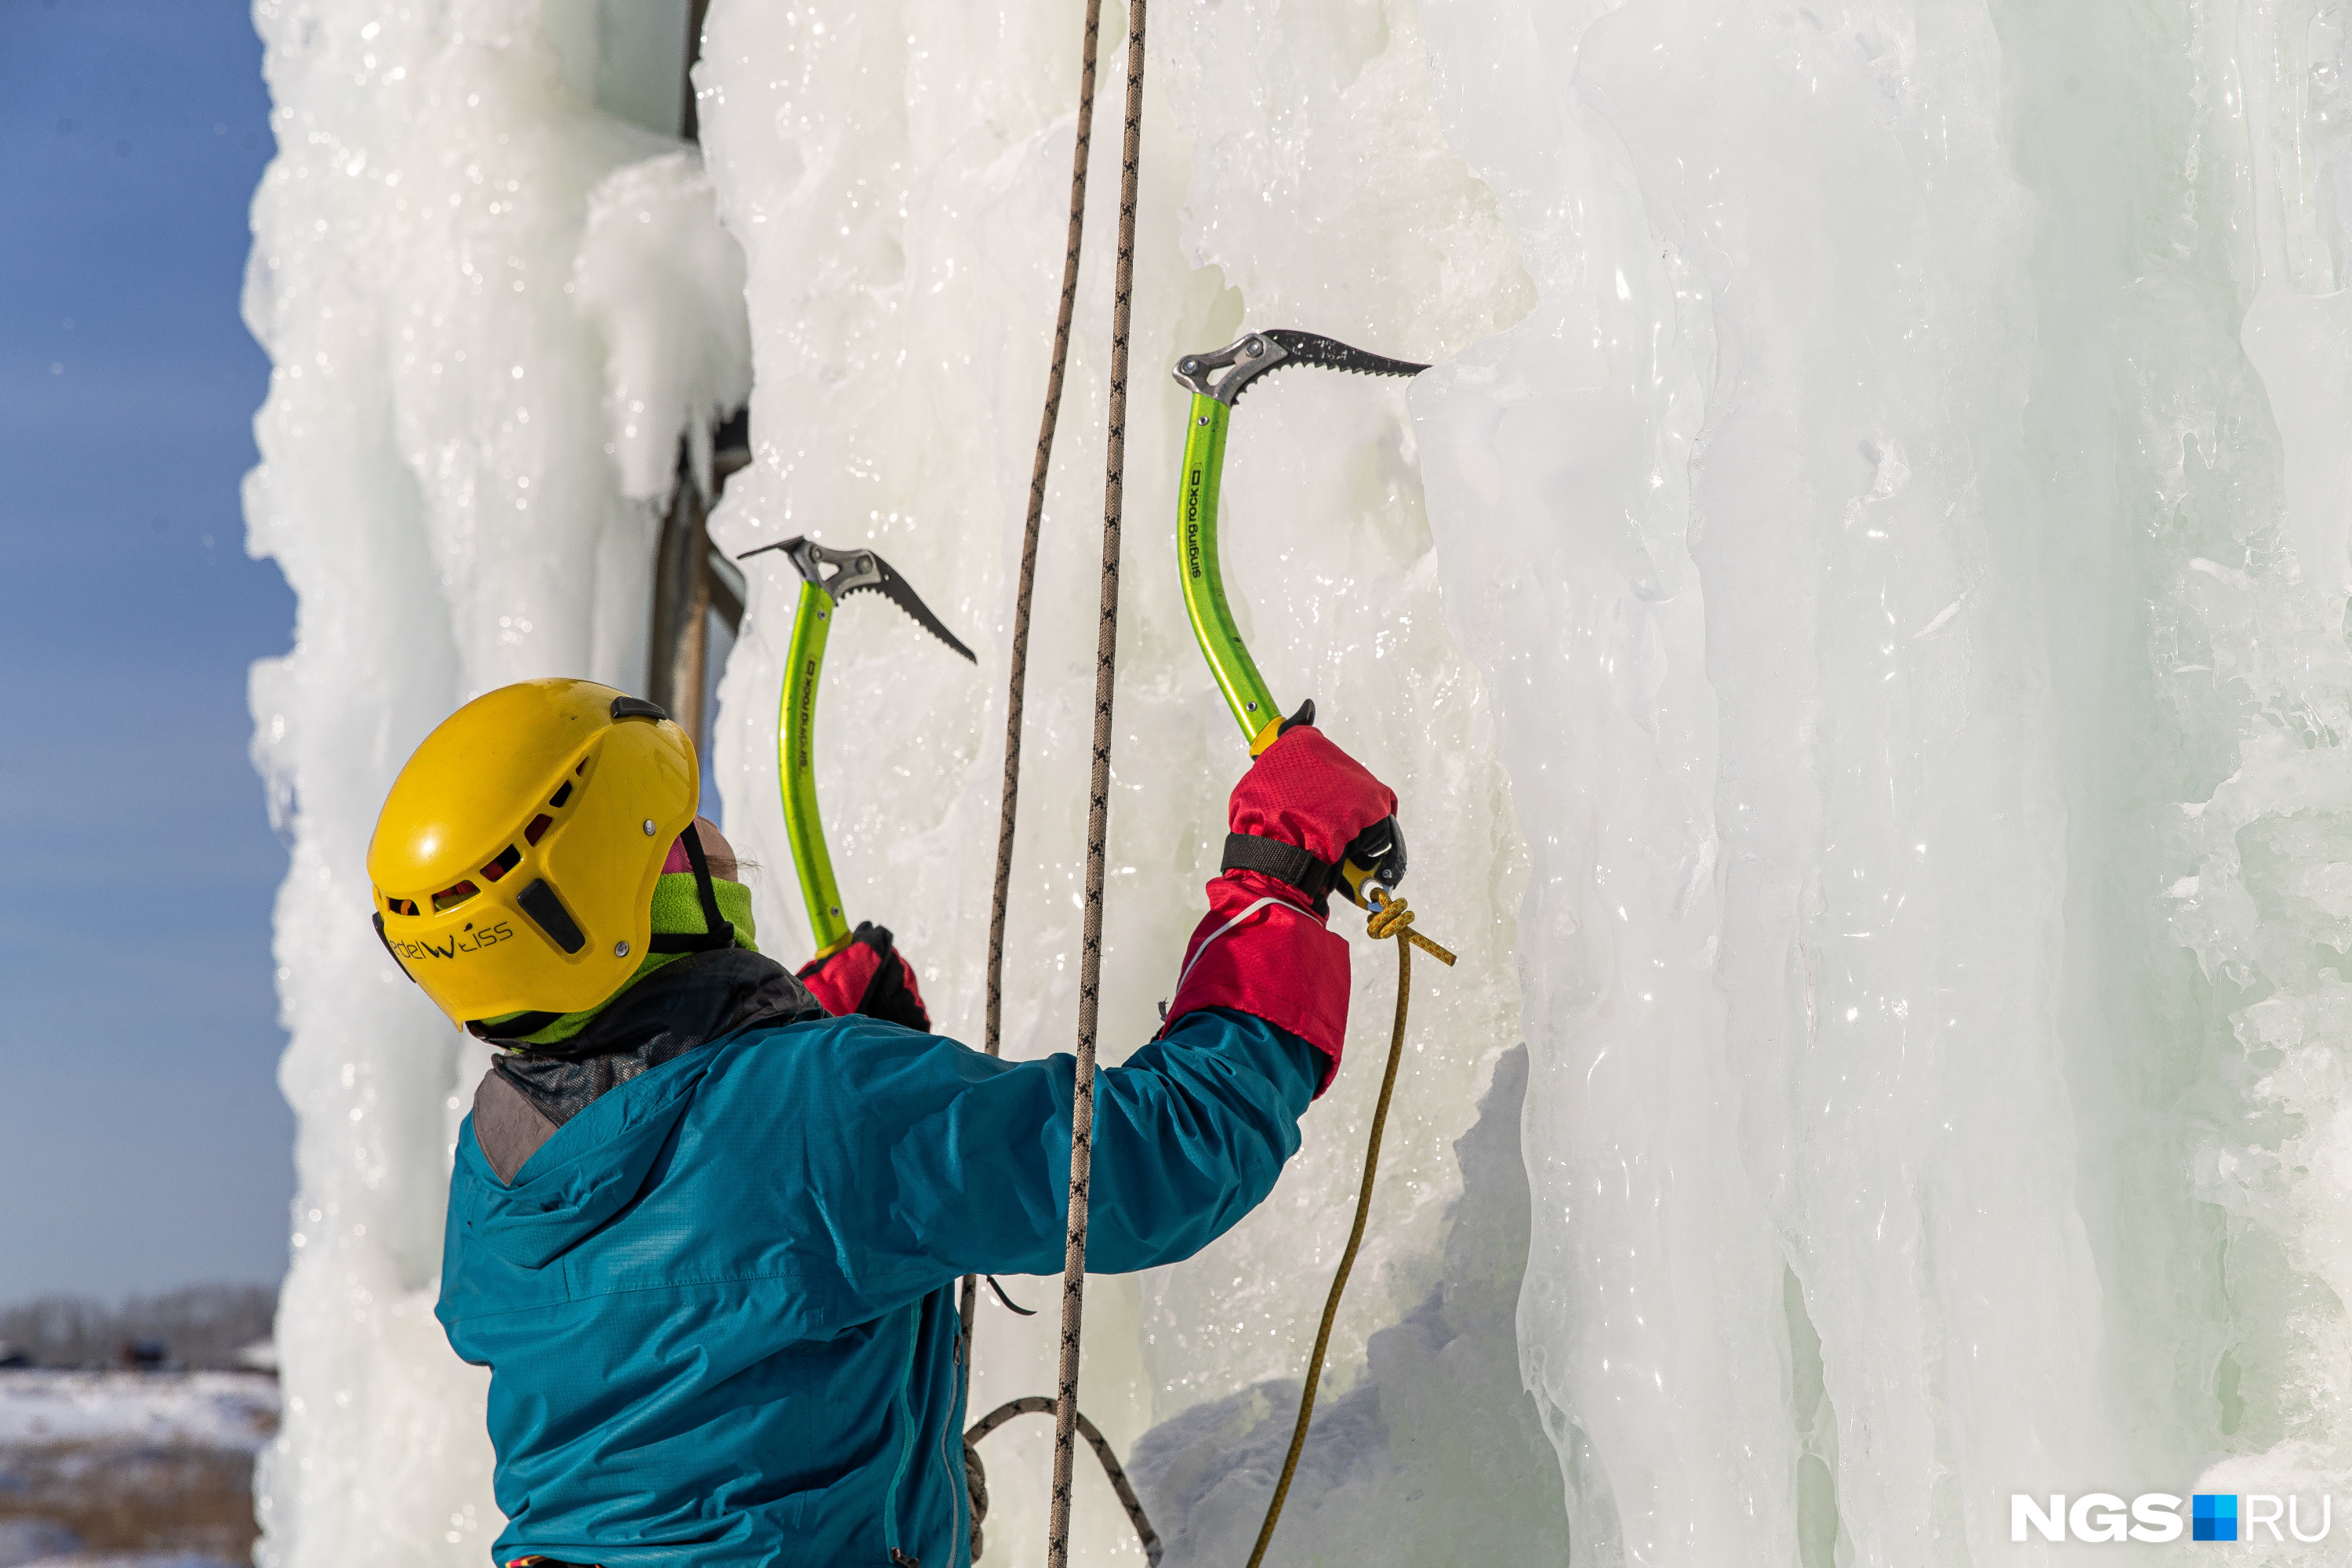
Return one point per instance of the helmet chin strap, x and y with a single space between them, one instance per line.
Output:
717 932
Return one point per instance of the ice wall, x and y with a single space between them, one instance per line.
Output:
474 380
1756 463
1855 620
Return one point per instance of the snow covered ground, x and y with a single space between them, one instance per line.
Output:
221 1410
24 1546
118 1470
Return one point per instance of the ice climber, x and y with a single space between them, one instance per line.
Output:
708 1216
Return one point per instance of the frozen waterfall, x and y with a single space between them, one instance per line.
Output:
1855 618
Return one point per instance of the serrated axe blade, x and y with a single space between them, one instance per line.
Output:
887 582
1329 354
838 574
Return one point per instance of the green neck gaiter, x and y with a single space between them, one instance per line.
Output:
678 911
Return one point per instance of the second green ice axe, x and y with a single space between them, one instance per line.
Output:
827 577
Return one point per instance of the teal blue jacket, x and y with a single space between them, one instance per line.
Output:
718 1303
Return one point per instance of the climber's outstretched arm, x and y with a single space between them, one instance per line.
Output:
964 1160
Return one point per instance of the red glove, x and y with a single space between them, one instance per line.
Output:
1262 948
869 976
1306 791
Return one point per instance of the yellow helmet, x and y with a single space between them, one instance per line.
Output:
515 860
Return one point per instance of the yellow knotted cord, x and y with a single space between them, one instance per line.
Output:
1389 918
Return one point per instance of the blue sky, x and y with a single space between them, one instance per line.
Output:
143 1142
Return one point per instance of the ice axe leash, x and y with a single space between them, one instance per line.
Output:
827 577
1374 863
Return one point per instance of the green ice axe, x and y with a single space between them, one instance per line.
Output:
1216 380
1372 864
828 576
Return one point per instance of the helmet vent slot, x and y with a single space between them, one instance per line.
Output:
503 864
562 794
539 902
539 824
402 905
448 898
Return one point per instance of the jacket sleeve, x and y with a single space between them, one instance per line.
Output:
963 1160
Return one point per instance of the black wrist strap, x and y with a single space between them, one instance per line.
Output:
1285 862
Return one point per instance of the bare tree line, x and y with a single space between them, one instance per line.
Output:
199 1326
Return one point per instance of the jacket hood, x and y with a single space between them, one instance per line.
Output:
604 1104
581 1180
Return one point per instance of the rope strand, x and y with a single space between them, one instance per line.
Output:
1082 1106
1017 678
1112 1469
1389 918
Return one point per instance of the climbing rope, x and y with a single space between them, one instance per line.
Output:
1017 681
1082 1106
1389 918
1038 1405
